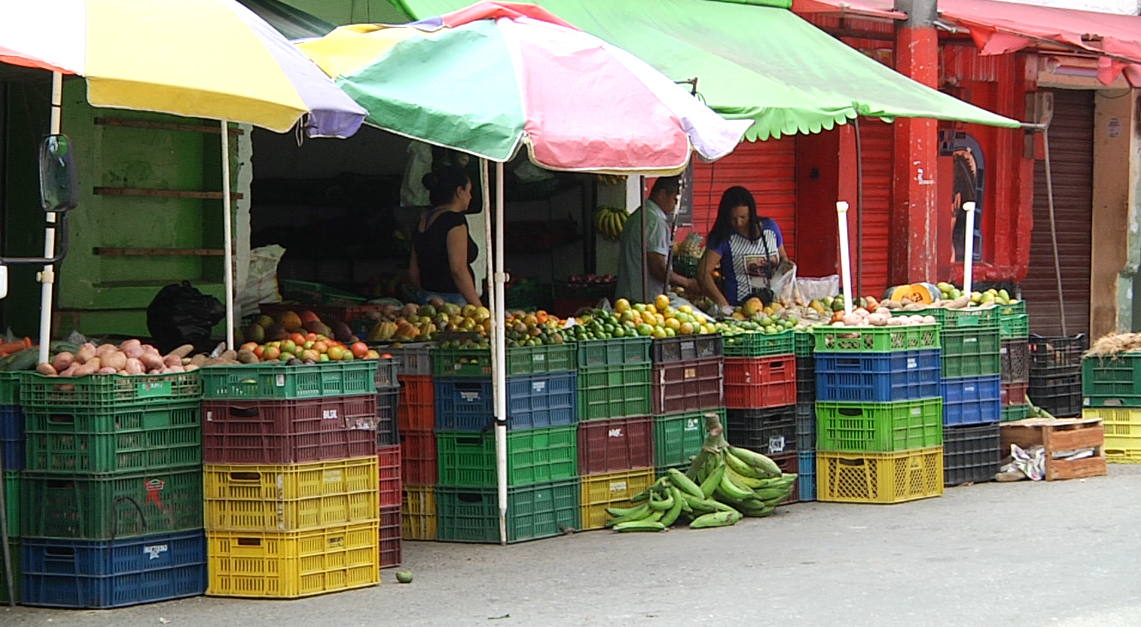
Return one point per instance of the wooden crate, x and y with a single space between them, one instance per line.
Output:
1063 434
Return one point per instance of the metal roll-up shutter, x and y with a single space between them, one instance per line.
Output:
873 258
1071 160
765 168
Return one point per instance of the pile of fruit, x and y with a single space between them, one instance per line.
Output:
421 323
949 292
723 484
590 280
609 222
657 319
881 317
130 357
753 316
284 324
302 348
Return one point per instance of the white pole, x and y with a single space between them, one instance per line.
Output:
227 236
845 263
500 358
47 275
969 243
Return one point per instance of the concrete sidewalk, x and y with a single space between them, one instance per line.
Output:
1038 554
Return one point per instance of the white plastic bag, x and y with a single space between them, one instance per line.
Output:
261 286
811 289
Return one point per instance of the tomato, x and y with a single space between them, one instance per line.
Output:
312 337
271 354
359 349
297 338
258 351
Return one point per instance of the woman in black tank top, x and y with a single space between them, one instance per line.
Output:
442 250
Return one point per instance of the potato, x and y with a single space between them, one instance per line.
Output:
151 361
172 360
105 348
133 352
147 348
132 343
177 368
116 360
85 353
107 370
231 355
62 361
191 368
183 351
47 369
247 357
69 371
134 366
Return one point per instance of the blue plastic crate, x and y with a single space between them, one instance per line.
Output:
533 401
807 476
116 573
972 400
878 377
12 436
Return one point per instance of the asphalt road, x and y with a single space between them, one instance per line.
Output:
1038 554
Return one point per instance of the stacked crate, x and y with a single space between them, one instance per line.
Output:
805 414
292 484
1014 333
1056 381
390 481
12 450
760 397
616 452
416 442
542 450
111 497
1111 387
879 431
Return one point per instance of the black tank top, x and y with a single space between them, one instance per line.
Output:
432 252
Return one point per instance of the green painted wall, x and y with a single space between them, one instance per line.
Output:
351 11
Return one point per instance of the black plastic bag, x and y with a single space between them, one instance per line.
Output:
180 314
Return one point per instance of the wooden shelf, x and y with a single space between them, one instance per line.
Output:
163 193
167 126
161 252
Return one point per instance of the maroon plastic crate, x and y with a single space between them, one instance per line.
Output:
288 431
418 457
615 445
389 468
417 408
757 382
1014 393
789 463
687 385
391 537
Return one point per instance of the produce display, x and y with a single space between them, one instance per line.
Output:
723 484
275 329
658 319
128 358
881 317
609 222
421 323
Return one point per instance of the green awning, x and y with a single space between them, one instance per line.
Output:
753 62
292 23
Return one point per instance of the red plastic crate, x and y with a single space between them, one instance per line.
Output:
418 457
1014 393
391 537
606 446
288 431
688 385
758 382
789 463
417 408
391 483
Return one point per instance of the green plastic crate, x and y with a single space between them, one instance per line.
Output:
876 339
12 496
615 392
128 440
1112 380
1015 412
106 391
10 388
803 343
1013 309
309 293
467 458
104 507
1015 327
474 362
614 352
677 437
17 570
537 511
270 381
971 352
973 317
757 344
879 427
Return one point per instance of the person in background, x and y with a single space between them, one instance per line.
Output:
658 208
748 248
442 250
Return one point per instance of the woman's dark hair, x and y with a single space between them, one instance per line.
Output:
442 184
733 197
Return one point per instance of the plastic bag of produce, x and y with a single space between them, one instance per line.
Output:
261 282
181 314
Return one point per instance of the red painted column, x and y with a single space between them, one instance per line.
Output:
914 192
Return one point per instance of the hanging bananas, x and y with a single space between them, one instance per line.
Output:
611 179
609 222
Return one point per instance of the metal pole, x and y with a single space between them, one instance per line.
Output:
642 238
227 237
47 275
969 251
499 371
845 263
1054 229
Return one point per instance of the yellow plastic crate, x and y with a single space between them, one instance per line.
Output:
291 498
419 512
613 489
292 565
879 477
1122 433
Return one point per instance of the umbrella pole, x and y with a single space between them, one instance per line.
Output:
227 237
47 275
969 245
499 369
845 261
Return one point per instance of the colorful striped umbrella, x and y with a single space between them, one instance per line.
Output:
496 76
196 58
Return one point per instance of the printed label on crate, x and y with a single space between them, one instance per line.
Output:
916 411
333 476
690 373
154 551
538 357
279 381
776 444
329 414
470 397
337 542
912 363
688 345
615 432
692 424
970 340
148 389
970 388
538 386
153 487
617 486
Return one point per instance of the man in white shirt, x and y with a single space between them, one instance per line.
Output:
663 198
